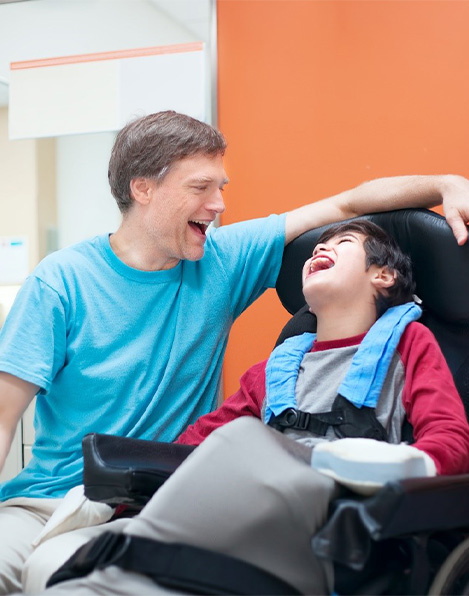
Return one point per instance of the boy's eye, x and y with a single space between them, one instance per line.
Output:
345 240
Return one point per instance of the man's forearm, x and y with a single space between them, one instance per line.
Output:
15 396
6 438
386 194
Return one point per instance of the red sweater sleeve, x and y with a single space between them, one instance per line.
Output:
247 401
432 403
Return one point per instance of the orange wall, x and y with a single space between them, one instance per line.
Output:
318 96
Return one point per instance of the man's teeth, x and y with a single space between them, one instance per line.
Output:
203 225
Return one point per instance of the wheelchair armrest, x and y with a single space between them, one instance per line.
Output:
399 509
121 470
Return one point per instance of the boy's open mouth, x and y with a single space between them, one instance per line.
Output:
320 264
199 226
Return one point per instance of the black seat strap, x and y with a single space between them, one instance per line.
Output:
177 566
317 424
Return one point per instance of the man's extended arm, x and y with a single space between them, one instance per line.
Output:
386 194
15 396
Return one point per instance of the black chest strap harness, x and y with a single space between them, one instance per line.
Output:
345 419
353 411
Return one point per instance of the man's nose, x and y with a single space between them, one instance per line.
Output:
217 204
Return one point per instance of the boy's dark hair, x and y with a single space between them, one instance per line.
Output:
149 146
381 250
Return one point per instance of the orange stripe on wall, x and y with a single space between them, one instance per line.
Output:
318 96
116 55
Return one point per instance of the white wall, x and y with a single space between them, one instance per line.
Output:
18 187
85 206
27 189
49 28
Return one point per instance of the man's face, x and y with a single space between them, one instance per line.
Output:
183 205
336 274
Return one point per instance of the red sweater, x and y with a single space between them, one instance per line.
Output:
430 399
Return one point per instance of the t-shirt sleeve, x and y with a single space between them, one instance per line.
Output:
432 403
33 338
247 401
250 254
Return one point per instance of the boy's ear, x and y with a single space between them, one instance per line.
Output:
383 278
141 189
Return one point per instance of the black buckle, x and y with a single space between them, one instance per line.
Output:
291 418
302 422
288 418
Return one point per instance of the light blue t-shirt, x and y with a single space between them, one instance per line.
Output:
127 352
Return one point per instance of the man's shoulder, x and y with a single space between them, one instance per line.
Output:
263 226
231 244
75 260
73 254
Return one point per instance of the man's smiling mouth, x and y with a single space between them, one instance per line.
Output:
201 226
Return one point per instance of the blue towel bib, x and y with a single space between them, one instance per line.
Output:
365 378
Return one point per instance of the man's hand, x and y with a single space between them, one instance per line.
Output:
456 206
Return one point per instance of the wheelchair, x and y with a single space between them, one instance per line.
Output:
412 536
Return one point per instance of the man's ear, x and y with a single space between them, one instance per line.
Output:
141 189
383 278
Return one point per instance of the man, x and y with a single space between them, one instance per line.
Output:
250 493
125 334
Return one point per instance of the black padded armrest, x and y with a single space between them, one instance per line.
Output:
398 509
120 470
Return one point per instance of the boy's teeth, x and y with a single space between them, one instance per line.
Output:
321 263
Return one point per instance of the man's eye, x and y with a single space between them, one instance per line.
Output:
345 240
201 188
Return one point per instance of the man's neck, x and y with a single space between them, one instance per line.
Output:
134 249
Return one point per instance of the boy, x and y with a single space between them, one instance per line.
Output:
251 493
347 297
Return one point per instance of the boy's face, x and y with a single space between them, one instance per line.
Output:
336 273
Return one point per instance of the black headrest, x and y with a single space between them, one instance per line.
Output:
440 266
441 273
